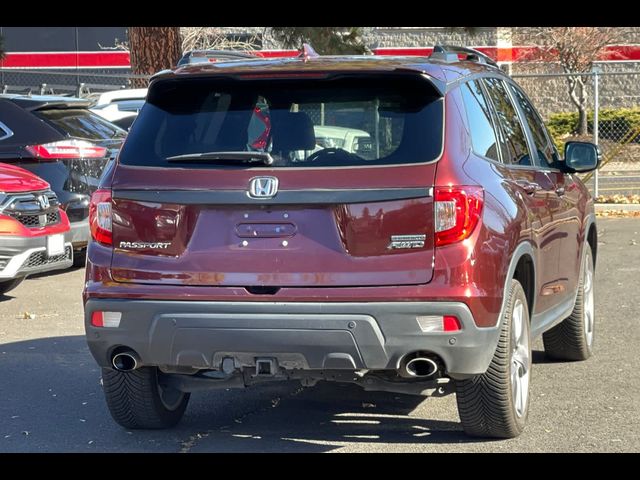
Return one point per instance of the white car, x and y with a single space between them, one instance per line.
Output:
350 139
120 107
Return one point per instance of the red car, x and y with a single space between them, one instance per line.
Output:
427 266
34 231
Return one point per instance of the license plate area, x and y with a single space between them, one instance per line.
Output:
55 245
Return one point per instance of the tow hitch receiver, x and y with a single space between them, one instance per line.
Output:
266 367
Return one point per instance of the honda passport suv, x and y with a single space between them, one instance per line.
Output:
427 267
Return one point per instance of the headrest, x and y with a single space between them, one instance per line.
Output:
292 131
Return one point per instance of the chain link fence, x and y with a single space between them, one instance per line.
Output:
612 97
613 118
79 83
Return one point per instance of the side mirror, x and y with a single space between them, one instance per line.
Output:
581 156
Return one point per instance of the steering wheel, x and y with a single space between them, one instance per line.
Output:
328 152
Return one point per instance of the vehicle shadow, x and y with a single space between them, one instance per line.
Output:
53 273
52 401
331 416
538 357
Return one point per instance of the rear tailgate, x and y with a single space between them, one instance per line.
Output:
315 217
339 233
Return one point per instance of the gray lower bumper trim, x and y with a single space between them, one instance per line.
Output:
351 336
18 265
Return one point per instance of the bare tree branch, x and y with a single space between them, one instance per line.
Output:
575 49
212 38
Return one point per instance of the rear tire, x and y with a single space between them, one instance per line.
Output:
137 401
573 338
496 403
8 285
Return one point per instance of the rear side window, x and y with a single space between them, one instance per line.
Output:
4 131
547 153
513 142
483 136
344 121
80 123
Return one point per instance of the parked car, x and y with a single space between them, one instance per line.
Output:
351 140
120 107
60 140
34 231
211 56
218 261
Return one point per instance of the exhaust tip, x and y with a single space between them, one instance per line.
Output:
125 361
421 367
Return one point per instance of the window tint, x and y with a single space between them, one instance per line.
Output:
483 136
514 142
344 121
544 147
80 123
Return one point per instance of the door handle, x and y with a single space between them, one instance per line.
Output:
560 191
529 187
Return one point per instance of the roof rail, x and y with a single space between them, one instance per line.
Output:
449 53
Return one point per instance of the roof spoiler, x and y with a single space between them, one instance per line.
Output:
449 54
55 104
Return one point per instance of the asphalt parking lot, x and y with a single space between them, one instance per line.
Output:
51 398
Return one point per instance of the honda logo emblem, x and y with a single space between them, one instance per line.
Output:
43 201
263 187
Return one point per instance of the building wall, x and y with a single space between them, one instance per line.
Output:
550 94
376 37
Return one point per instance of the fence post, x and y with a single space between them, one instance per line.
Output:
596 108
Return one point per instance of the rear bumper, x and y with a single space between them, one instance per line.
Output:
20 256
305 335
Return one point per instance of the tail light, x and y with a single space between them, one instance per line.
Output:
457 211
100 217
67 149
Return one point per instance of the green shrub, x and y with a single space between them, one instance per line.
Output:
615 124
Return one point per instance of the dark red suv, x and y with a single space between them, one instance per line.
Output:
425 265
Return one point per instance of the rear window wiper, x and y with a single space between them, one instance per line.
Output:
240 157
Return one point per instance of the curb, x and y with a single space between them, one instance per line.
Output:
626 207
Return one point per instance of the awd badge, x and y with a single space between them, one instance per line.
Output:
406 241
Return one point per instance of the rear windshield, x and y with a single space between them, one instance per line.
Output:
346 121
81 123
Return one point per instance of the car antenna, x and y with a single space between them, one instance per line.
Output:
307 52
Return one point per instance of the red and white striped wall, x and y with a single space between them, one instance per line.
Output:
107 59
